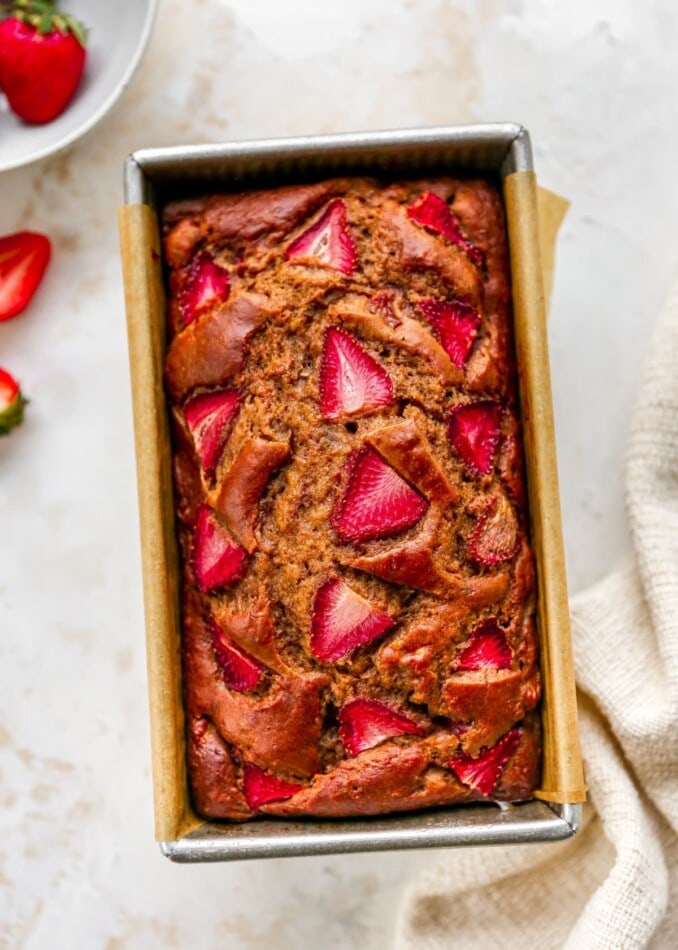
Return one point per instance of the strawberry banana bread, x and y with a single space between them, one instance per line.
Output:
357 585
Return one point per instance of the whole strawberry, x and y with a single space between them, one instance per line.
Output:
11 403
42 56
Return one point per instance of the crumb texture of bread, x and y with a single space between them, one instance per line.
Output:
358 587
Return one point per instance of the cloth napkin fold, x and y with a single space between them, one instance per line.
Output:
615 884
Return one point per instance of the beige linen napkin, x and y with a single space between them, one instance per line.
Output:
615 884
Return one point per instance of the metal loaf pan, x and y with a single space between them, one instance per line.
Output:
155 175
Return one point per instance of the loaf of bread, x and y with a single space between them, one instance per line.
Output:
358 589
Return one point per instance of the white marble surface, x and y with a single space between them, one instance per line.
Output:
596 84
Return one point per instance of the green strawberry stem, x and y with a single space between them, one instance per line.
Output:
13 415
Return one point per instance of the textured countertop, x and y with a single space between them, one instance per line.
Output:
597 87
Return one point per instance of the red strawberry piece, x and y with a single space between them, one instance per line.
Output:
209 418
351 380
343 621
364 723
328 242
23 259
482 773
377 503
455 323
474 433
241 671
433 213
261 787
42 56
217 559
495 536
11 403
205 284
486 649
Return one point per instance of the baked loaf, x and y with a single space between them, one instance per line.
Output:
357 584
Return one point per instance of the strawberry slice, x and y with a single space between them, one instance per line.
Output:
217 559
351 380
434 213
241 671
11 403
343 621
377 503
210 417
474 433
205 283
486 649
261 787
328 242
455 323
495 536
23 259
364 723
483 772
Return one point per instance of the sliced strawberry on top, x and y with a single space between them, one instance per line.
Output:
209 417
495 536
204 284
364 723
218 560
377 503
351 380
327 242
482 773
455 323
486 649
343 620
434 213
23 259
241 671
261 787
11 403
474 433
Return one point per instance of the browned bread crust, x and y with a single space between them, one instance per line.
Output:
266 707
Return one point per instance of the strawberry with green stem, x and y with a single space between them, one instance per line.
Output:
42 58
11 403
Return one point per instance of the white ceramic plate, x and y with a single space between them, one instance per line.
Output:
118 33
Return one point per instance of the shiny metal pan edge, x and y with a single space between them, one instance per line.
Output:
462 826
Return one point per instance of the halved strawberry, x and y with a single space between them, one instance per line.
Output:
23 259
204 284
209 418
261 787
350 379
434 213
474 433
486 649
483 772
241 671
377 503
11 403
364 723
343 620
455 323
217 559
495 536
328 242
